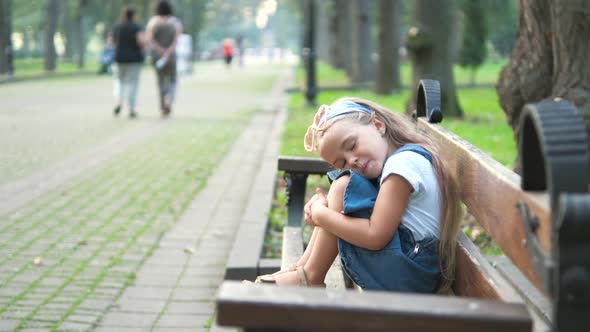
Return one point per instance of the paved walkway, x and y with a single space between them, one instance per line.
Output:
127 230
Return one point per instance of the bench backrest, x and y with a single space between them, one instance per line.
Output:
490 191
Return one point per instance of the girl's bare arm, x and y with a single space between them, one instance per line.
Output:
373 233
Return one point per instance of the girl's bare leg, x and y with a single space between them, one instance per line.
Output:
323 246
309 248
304 257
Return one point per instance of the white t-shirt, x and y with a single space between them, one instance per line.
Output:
422 215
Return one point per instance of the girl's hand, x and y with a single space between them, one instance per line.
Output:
307 211
318 200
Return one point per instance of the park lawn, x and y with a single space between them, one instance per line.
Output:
328 76
34 66
484 124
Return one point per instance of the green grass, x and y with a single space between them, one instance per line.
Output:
34 66
484 124
486 74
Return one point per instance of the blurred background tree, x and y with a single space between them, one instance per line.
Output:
430 44
389 42
474 49
6 47
549 58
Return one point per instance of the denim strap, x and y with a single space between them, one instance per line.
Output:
415 148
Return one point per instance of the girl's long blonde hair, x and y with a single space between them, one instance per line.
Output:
400 131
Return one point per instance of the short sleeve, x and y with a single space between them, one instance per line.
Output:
409 165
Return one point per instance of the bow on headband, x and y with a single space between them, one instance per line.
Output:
326 113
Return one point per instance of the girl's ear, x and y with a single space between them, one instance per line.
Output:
379 125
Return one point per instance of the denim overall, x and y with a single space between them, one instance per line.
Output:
403 265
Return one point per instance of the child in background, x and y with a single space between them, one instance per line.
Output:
227 47
392 211
107 56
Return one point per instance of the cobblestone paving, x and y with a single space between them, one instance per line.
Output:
89 238
68 255
31 117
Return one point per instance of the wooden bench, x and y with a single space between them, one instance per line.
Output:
521 291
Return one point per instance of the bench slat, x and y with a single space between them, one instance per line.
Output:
539 302
292 246
476 277
308 309
490 191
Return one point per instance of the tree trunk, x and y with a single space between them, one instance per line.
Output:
429 43
322 31
82 4
389 41
549 58
334 57
197 8
360 46
26 49
6 51
343 31
52 17
39 42
69 31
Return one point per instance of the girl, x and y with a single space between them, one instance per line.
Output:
392 211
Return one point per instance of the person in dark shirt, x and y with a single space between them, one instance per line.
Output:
128 37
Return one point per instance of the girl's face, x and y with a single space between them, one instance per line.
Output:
361 148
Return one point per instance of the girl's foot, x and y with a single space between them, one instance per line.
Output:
268 278
294 278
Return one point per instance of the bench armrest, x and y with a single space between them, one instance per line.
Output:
303 165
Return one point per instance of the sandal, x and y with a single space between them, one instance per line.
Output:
302 278
270 279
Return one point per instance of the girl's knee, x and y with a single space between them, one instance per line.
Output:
337 188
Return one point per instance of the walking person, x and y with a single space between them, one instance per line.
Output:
128 38
227 48
107 56
392 211
163 31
